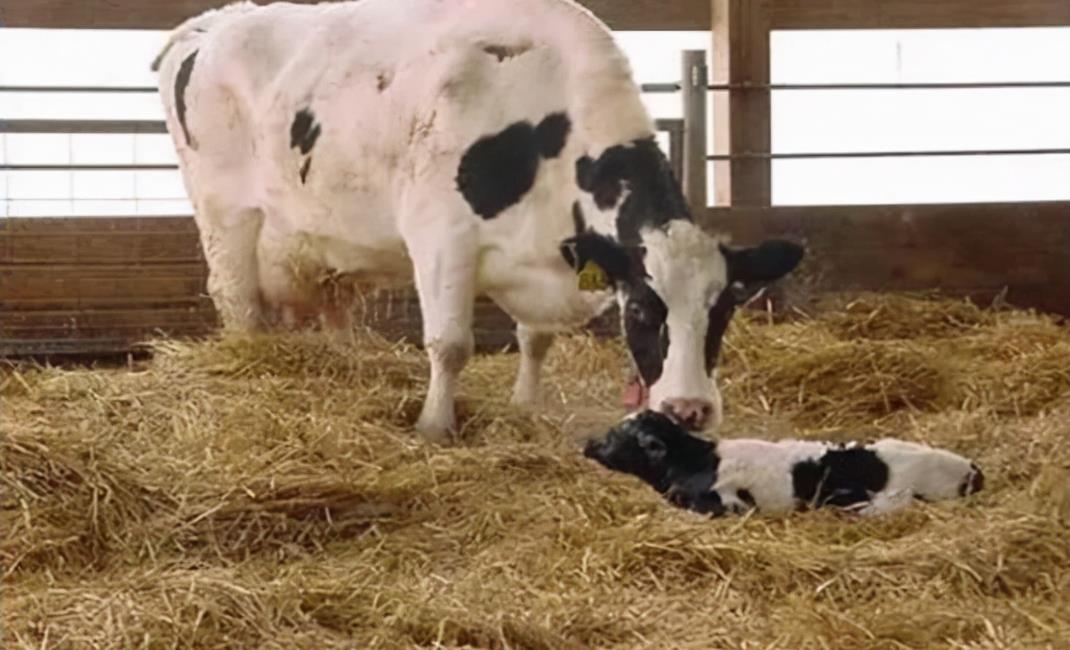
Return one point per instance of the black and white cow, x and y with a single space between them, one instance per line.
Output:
469 146
780 477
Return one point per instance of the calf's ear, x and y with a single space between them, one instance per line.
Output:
652 446
751 269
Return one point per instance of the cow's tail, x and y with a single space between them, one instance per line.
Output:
198 25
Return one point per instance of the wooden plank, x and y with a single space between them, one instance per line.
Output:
86 287
100 248
139 14
109 127
68 225
741 116
917 14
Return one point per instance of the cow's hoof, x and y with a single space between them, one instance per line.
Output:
435 432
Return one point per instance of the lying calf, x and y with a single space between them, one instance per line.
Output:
779 477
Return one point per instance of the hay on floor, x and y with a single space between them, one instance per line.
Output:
266 492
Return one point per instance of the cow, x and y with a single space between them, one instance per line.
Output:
776 478
471 147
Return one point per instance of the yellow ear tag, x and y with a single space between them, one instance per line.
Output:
593 278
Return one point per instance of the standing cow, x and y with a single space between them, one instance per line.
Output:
473 146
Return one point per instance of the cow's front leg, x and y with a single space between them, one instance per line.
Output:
444 259
534 346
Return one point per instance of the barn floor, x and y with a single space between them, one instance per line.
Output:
265 493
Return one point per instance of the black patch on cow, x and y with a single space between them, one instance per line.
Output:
842 477
652 447
304 131
182 79
552 134
754 268
305 169
654 194
720 315
383 81
645 331
578 222
498 170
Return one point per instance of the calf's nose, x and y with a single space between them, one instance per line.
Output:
692 413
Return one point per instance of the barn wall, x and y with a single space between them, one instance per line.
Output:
101 284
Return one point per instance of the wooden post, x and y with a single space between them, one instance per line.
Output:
741 116
694 81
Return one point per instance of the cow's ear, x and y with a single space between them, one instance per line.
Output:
752 269
607 256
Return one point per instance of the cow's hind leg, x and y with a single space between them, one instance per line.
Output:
534 346
229 238
444 254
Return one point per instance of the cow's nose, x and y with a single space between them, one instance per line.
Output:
690 412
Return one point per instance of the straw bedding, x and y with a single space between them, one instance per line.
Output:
266 493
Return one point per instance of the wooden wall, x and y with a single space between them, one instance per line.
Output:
102 284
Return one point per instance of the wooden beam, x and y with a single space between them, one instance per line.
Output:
917 14
741 117
160 14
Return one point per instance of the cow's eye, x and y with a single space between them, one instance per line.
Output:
636 312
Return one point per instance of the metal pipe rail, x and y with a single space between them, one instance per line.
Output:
890 154
673 87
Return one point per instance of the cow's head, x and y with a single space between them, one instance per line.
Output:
677 286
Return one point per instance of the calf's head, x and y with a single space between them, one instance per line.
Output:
655 449
677 286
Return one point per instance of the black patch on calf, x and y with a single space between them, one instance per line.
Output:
497 171
305 169
974 482
842 477
382 81
652 447
746 497
182 79
654 194
304 131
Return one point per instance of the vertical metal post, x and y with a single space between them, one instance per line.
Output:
694 81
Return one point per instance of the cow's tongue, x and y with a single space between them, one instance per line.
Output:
635 394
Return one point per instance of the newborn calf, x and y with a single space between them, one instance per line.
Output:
780 477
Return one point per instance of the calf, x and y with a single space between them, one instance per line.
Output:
469 147
779 477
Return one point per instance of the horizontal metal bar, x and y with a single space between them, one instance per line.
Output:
111 199
88 168
950 85
119 127
890 154
79 89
